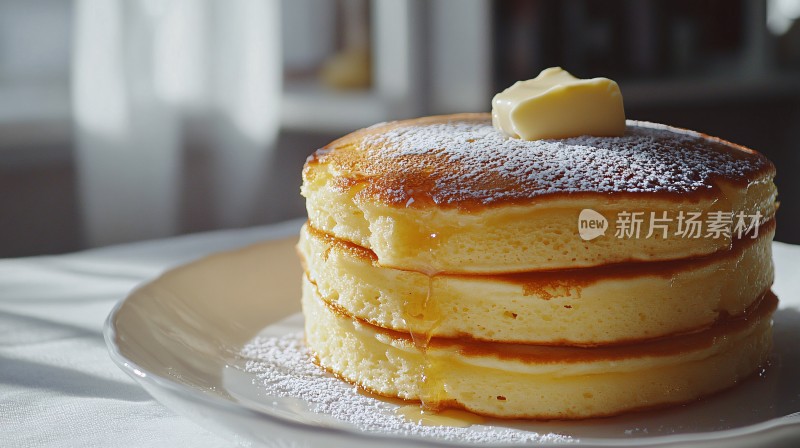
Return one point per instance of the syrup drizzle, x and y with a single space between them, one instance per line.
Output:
455 418
422 320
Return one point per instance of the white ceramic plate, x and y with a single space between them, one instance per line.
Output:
181 337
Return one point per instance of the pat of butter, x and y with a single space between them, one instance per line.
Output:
556 104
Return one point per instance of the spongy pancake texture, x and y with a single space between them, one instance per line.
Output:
450 194
555 386
579 307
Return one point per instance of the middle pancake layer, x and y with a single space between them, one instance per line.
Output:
583 307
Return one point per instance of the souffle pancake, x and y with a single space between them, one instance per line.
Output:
450 263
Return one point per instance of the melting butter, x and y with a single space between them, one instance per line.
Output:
556 104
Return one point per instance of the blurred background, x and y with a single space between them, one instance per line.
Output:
123 120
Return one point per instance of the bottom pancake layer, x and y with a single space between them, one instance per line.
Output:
526 381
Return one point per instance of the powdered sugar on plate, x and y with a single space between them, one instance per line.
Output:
284 369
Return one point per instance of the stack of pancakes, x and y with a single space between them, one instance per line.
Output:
443 263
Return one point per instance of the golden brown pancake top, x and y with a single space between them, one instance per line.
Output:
462 160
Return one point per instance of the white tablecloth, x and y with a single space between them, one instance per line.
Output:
58 387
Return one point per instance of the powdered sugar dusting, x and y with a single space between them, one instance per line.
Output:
285 369
463 159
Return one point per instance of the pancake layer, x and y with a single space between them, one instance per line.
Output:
584 307
524 381
450 194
